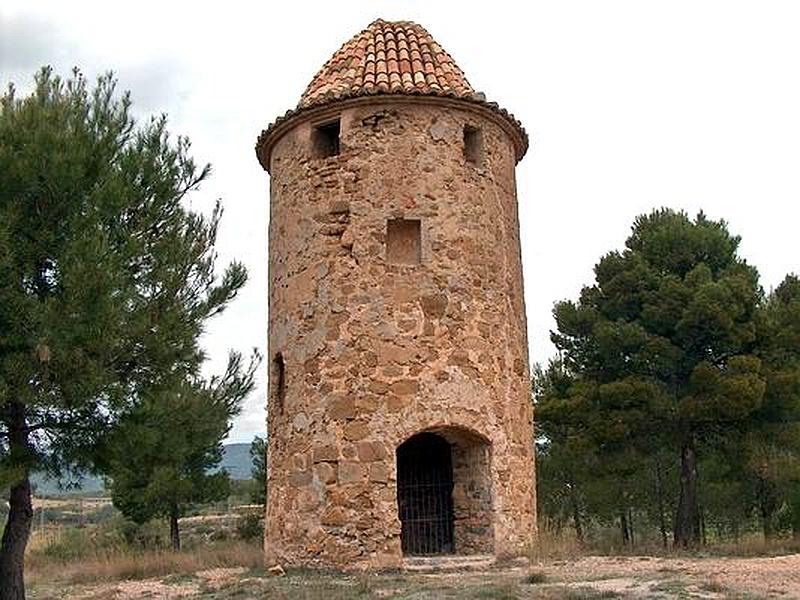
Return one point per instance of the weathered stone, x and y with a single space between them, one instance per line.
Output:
370 359
335 516
403 293
300 461
326 452
300 422
349 452
459 357
370 451
404 387
392 371
343 407
434 306
367 404
378 472
439 130
300 478
390 352
351 472
325 472
394 403
276 571
378 387
407 325
339 207
356 430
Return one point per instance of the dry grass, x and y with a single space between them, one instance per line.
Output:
550 546
116 565
754 545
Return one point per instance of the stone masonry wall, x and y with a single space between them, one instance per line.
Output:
472 499
376 352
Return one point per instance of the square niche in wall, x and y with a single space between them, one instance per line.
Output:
403 241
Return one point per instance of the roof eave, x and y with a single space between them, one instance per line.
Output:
269 137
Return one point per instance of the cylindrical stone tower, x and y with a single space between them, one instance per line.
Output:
399 411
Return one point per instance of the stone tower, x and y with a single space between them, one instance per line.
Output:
400 419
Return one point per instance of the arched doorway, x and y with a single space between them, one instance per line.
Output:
444 493
425 494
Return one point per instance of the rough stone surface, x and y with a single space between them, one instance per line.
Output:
375 353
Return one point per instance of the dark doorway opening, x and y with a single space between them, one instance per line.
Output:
425 494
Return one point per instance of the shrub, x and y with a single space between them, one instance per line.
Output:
250 526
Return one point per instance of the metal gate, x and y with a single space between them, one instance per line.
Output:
425 495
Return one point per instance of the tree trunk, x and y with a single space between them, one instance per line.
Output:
767 506
623 526
662 520
20 515
794 504
576 517
631 537
174 532
687 515
703 525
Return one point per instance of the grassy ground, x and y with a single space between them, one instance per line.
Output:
83 550
547 582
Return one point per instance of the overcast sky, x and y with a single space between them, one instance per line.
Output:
630 105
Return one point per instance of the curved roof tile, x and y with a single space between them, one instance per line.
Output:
388 57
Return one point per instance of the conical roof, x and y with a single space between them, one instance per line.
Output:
388 58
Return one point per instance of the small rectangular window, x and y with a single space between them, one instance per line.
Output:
403 241
325 139
473 145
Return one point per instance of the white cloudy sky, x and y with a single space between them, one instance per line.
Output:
630 105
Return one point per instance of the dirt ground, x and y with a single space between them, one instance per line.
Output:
582 578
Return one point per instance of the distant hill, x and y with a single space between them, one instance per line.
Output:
235 460
45 486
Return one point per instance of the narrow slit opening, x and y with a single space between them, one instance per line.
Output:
278 382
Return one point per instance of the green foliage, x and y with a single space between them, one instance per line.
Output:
673 353
105 276
163 452
106 280
250 527
258 452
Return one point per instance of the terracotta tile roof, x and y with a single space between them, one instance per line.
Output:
388 58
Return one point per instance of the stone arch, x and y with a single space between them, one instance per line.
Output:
444 491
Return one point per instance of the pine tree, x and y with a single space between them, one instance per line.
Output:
770 443
258 453
664 345
164 451
105 277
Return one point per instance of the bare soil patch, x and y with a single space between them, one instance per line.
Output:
584 578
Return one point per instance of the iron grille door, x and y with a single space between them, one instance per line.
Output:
425 495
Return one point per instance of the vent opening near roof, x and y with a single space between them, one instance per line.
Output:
473 145
325 139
